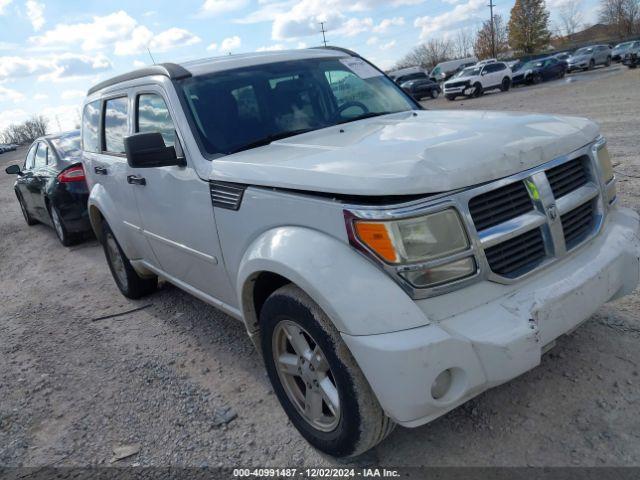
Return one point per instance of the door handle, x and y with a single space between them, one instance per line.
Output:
100 170
135 180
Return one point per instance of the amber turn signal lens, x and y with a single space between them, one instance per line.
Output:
376 237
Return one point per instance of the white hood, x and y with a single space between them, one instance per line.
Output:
407 153
459 80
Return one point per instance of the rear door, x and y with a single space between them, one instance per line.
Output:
175 206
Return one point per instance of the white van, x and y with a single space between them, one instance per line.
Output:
445 70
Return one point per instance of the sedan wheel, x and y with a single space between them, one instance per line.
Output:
435 93
305 375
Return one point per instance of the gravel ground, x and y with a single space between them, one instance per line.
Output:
166 378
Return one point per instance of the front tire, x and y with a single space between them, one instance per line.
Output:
25 213
477 91
130 284
317 381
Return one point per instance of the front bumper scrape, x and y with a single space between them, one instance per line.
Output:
497 332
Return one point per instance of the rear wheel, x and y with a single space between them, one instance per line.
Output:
536 79
592 64
66 238
127 279
435 93
317 381
25 213
506 84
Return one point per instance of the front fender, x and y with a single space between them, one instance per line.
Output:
357 296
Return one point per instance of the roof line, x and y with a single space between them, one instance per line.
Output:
171 70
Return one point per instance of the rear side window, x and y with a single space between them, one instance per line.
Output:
153 116
115 124
90 126
41 155
31 156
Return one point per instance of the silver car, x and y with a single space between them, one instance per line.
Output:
586 58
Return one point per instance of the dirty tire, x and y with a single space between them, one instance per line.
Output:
477 90
130 284
67 239
362 424
25 213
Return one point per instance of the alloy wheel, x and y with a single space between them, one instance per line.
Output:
305 375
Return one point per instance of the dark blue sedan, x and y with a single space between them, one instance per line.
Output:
539 70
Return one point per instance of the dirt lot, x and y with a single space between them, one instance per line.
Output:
72 389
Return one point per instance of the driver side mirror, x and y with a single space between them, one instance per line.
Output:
13 170
148 150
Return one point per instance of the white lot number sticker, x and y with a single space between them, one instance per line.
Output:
360 68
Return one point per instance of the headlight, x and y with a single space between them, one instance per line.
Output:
420 246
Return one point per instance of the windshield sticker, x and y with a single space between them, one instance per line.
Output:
360 68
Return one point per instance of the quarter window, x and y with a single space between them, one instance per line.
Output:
90 123
115 124
153 116
41 155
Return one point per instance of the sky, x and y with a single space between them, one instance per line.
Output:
51 52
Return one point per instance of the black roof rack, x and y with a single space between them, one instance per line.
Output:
171 70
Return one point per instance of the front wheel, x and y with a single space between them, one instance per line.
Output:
435 94
317 381
25 213
130 284
477 91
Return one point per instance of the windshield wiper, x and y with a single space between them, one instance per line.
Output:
363 116
271 138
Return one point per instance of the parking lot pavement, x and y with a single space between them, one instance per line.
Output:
72 387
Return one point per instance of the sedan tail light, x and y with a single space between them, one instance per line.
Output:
72 174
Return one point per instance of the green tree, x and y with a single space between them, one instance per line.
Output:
529 26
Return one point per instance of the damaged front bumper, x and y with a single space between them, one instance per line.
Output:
487 334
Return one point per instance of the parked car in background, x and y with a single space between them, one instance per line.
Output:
420 89
632 55
51 186
389 263
617 54
445 70
587 58
474 81
406 74
537 71
486 62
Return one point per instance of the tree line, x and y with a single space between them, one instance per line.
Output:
527 31
25 132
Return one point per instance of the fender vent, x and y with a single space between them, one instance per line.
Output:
226 195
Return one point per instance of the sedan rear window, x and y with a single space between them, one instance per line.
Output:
67 145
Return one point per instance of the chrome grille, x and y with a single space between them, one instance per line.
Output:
500 205
518 255
226 195
578 223
567 177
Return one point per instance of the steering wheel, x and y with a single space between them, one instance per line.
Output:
350 104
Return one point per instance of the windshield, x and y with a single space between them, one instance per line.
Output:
623 46
583 51
470 72
67 145
240 109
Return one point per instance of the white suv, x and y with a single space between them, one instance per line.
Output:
474 81
389 263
